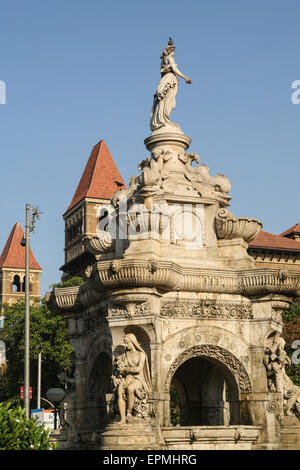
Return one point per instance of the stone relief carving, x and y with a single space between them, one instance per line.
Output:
132 381
206 309
225 357
136 307
117 311
115 266
275 361
216 187
142 309
152 265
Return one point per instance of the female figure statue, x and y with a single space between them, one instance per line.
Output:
135 376
275 360
165 97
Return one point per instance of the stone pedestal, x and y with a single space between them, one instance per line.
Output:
130 436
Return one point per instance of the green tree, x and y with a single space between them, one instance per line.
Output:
48 334
291 333
174 406
19 433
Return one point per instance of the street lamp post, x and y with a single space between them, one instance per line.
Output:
39 380
29 227
27 316
56 395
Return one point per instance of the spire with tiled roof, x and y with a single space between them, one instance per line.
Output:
101 177
265 240
13 254
293 232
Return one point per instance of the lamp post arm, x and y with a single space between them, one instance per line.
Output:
48 402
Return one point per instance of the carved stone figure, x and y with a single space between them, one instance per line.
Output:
275 360
291 396
165 97
133 380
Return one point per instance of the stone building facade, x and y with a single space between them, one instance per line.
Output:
180 302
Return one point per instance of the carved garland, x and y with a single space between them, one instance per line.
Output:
207 309
225 357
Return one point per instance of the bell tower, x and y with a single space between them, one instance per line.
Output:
99 181
12 270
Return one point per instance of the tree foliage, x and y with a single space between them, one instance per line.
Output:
19 433
48 334
174 406
291 333
73 282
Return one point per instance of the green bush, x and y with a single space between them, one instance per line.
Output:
19 433
291 333
73 282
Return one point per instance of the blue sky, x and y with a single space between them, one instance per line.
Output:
79 71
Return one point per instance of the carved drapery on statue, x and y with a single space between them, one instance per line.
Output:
165 97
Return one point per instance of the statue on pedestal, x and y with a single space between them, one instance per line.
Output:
133 380
165 97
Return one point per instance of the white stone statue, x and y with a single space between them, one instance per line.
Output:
135 382
165 97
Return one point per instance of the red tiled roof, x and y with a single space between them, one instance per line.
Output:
292 230
13 254
99 177
274 242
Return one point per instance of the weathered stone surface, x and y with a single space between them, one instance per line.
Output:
205 320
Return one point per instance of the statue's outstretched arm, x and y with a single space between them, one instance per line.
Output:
177 72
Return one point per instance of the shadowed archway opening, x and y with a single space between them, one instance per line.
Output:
98 385
204 392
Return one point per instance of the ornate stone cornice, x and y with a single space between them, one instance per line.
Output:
169 277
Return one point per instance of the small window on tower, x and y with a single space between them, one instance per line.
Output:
16 285
103 220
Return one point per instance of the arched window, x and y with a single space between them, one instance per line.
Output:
23 285
16 284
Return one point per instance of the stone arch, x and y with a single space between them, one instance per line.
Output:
98 385
101 343
210 381
233 369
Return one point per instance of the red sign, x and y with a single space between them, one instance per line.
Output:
22 393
